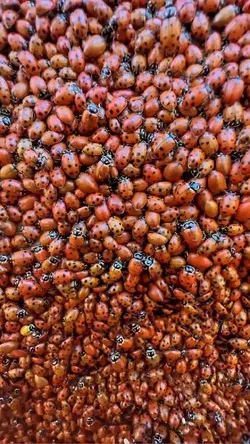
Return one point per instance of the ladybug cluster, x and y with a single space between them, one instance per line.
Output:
125 221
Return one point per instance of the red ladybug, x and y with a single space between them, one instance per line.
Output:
197 96
71 164
151 173
185 193
192 233
29 287
245 164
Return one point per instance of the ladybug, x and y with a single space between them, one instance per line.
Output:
104 167
29 287
163 145
76 59
200 26
232 90
236 28
216 78
197 96
195 159
192 233
170 33
11 186
118 361
125 188
229 204
115 107
62 277
136 266
59 210
29 62
132 123
213 43
5 96
245 162
185 193
151 173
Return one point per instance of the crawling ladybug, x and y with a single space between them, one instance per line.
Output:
186 192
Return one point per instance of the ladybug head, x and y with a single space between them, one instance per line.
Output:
36 334
43 94
179 225
77 232
205 70
28 275
153 69
180 143
195 186
150 136
236 123
37 248
139 255
89 421
17 280
119 339
160 127
126 59
142 315
54 260
5 111
217 416
53 235
107 159
150 11
81 383
46 278
135 328
60 4
157 439
245 439
6 121
92 108
127 67
105 73
4 258
14 99
22 314
189 269
75 284
118 265
102 263
148 261
75 88
41 162
115 356
185 89
216 236
179 99
188 225
32 327
143 135
169 12
150 352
